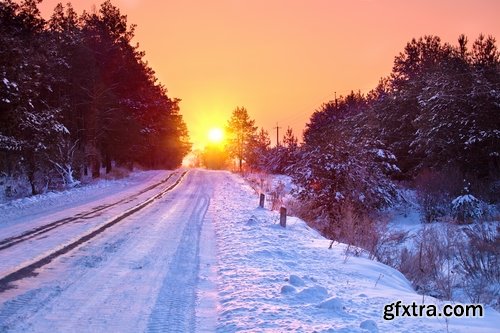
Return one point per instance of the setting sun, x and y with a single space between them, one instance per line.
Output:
215 135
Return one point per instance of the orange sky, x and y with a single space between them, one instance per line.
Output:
282 58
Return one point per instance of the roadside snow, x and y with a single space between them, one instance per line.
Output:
27 209
276 280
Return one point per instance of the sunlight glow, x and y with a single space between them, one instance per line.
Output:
215 135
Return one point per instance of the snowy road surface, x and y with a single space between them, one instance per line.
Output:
139 274
190 252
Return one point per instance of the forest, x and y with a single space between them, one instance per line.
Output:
79 102
433 122
77 99
426 139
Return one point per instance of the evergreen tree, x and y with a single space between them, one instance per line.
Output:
76 94
339 165
241 132
281 159
259 150
290 141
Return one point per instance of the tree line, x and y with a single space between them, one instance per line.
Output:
427 138
77 97
433 122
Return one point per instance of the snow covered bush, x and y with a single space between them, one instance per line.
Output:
387 245
308 212
117 173
466 208
454 262
62 158
478 260
13 187
277 195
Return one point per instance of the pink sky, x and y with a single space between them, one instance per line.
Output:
282 58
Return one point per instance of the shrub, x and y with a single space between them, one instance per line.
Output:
466 208
277 194
429 263
479 253
478 258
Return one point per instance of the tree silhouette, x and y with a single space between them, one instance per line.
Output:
241 133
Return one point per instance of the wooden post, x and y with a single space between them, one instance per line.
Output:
261 202
283 217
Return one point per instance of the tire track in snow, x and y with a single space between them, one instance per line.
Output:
28 270
11 241
174 310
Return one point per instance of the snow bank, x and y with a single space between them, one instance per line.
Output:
19 210
273 279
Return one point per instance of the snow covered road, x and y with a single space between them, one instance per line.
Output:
190 252
137 275
32 244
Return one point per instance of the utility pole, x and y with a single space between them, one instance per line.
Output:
277 135
335 99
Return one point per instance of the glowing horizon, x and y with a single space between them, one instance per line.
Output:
282 59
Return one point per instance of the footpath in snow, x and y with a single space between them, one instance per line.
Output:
272 279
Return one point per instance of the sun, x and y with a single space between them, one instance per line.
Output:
215 135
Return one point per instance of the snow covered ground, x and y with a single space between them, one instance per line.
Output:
30 207
191 253
276 280
139 274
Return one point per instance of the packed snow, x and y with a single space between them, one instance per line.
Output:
201 257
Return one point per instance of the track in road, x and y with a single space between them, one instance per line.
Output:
11 241
29 269
141 275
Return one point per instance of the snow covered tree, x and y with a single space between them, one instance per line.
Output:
466 208
458 116
74 93
338 169
398 112
259 150
281 159
31 111
439 108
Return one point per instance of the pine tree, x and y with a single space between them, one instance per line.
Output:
241 132
259 149
339 165
75 93
290 141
